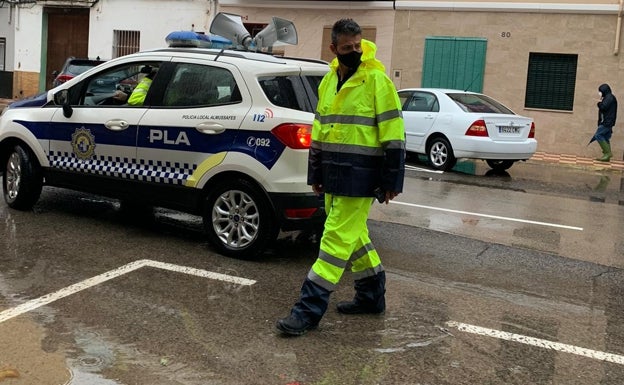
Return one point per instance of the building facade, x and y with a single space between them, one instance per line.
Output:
545 60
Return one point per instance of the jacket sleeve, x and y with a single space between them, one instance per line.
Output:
391 134
604 105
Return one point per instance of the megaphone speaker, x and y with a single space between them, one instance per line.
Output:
231 27
278 30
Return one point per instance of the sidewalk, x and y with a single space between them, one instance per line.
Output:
575 160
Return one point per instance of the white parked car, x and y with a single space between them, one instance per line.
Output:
223 134
447 125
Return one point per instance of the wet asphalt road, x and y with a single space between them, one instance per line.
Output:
492 279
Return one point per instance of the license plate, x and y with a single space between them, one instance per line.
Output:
508 130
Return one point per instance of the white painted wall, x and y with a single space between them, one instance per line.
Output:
154 19
22 29
7 32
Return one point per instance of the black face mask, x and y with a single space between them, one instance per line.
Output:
351 60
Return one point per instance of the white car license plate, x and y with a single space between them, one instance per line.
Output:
508 130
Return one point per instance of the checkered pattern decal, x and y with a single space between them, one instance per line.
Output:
150 171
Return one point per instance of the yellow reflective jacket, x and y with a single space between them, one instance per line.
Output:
358 137
140 92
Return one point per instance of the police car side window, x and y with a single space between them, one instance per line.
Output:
195 85
113 87
280 91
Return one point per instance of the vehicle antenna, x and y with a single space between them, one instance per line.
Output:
472 82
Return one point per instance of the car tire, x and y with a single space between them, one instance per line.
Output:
23 180
238 219
440 154
500 165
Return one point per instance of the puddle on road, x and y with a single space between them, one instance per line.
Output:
22 353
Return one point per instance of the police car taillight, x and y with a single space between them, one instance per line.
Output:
300 213
297 136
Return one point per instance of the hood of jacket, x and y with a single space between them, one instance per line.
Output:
605 89
369 49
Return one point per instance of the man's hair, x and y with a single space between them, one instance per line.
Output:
345 27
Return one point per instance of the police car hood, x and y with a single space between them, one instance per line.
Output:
34 101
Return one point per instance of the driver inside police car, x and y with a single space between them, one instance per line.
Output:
137 97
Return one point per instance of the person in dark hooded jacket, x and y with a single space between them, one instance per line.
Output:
607 114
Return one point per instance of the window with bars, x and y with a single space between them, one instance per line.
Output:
551 81
126 42
2 52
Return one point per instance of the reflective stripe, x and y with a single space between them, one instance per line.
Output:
334 261
360 120
389 115
312 276
352 149
367 273
327 271
348 119
395 145
362 251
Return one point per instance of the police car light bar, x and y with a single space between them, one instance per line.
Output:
231 27
196 39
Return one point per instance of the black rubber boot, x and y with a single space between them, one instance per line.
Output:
369 296
307 312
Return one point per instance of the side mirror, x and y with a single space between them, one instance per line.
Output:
61 98
68 111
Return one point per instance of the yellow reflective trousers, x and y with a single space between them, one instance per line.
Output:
345 239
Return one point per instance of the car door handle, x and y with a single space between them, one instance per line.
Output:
210 128
116 125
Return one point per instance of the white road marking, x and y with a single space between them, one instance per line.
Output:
107 276
490 216
541 343
408 167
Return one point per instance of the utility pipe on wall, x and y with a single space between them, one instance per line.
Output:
618 29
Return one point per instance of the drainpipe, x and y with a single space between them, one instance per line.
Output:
618 29
213 9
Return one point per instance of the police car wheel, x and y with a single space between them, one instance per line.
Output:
238 219
22 180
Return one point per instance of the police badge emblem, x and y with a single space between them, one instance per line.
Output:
83 143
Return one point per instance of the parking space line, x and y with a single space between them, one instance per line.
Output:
490 216
538 342
107 276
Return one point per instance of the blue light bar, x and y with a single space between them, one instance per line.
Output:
195 39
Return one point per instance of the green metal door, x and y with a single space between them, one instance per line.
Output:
454 62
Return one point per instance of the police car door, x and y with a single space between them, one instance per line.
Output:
98 140
196 123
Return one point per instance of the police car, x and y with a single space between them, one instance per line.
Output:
220 133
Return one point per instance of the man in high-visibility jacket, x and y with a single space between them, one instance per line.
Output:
357 153
137 97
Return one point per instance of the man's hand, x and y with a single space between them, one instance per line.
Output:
390 195
120 96
317 188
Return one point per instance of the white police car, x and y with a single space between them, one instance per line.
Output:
220 133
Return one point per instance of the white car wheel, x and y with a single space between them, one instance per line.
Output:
440 154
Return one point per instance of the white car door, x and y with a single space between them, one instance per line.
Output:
198 116
420 110
99 138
